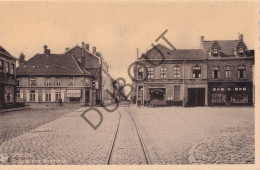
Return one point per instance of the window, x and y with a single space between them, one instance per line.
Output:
176 72
196 72
140 73
1 66
150 73
48 97
177 92
87 82
48 81
58 81
32 81
228 72
32 95
58 96
241 51
71 82
163 72
18 93
12 69
215 72
7 67
18 82
241 72
215 52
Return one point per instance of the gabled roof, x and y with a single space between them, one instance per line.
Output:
6 53
94 72
50 65
227 46
77 46
179 54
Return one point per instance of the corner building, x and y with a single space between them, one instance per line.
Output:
178 78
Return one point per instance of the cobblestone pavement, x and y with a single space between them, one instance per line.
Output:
222 135
127 148
67 140
15 123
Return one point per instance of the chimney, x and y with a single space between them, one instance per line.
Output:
202 42
94 50
87 47
83 54
240 37
67 49
45 49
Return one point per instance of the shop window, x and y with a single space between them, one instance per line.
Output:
58 96
32 95
48 81
150 72
176 72
215 72
48 97
241 72
58 81
239 97
218 98
196 72
177 92
140 73
32 81
163 72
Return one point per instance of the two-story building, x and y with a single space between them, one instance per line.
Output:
7 79
95 64
230 71
171 77
47 77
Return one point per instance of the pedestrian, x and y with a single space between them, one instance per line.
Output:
60 101
138 103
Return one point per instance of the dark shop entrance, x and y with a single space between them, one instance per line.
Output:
196 97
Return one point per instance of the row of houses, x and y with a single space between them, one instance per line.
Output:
75 76
219 73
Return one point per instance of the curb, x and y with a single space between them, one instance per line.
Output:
12 110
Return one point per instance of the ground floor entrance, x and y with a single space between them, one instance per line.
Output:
196 97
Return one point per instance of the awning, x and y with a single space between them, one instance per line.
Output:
73 93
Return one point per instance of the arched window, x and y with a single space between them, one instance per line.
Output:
227 72
215 72
241 71
176 72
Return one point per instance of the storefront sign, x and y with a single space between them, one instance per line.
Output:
73 93
156 85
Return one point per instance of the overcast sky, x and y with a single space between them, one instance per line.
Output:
117 28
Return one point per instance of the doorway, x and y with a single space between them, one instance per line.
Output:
196 97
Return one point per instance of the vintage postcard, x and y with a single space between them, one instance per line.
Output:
129 85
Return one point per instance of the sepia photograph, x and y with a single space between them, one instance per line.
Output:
129 85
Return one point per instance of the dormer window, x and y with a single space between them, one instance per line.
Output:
215 52
241 51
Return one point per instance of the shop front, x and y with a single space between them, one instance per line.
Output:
239 93
74 95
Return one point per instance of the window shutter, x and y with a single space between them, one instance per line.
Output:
27 95
213 74
36 95
21 94
218 74
53 95
43 95
62 95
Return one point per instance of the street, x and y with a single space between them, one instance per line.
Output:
131 135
